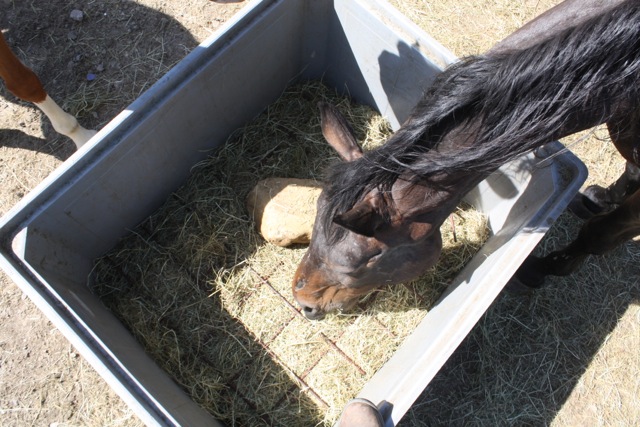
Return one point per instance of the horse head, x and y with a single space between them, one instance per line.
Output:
387 237
544 82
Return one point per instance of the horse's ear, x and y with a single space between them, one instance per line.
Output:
338 132
363 218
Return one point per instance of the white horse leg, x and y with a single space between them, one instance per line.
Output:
64 122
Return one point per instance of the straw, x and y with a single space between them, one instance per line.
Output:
211 302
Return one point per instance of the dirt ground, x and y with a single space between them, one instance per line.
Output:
127 45
569 355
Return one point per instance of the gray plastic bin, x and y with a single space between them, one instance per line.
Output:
365 47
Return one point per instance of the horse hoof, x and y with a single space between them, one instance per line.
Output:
529 275
594 200
583 207
516 288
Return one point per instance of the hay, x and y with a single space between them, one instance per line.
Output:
211 302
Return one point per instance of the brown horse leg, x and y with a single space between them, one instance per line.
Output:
614 212
23 83
624 131
598 235
596 200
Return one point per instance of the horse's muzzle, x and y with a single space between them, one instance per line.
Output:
313 313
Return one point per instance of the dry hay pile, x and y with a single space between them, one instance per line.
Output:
211 302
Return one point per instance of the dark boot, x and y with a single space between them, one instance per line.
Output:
360 413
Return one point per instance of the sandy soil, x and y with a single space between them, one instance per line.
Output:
128 46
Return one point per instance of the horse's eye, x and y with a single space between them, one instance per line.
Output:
373 259
301 284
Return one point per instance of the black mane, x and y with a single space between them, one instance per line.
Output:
509 103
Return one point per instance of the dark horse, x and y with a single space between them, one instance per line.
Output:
572 68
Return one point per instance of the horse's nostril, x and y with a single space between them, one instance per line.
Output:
312 313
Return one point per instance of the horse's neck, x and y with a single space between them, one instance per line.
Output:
589 109
569 13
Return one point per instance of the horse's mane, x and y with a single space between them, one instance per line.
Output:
509 102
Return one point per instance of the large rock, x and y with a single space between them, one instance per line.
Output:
284 209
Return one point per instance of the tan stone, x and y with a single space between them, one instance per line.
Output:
284 209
